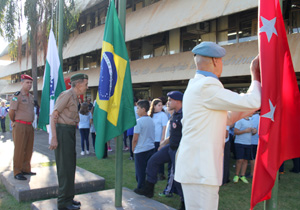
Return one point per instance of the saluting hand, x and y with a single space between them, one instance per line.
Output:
255 69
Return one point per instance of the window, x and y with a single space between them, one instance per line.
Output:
295 21
248 26
92 20
194 34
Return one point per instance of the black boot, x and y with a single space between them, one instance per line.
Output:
147 190
182 206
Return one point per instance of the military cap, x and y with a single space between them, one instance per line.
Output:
78 76
176 95
25 76
209 49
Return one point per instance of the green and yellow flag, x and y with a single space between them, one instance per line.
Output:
113 112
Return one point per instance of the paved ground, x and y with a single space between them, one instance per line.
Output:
103 200
41 153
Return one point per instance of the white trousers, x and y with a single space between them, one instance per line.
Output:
200 196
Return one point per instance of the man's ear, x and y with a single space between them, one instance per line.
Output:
214 61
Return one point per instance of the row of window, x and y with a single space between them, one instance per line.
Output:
231 29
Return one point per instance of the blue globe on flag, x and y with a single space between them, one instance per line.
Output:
108 77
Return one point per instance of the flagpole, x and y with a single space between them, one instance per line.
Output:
52 19
119 143
61 31
272 203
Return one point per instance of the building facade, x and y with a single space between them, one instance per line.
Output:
159 37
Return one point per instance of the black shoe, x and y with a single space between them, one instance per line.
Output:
20 177
76 203
29 173
147 190
70 207
182 206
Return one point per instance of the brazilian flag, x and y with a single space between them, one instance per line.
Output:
114 110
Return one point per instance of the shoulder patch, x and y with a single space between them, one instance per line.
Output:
17 93
15 99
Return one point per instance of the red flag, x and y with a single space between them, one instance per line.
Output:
279 136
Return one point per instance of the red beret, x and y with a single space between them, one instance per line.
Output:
25 76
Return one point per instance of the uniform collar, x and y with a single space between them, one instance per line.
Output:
207 74
23 93
179 111
74 95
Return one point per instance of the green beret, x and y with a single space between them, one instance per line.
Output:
78 76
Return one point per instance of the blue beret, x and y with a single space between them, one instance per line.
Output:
209 49
176 95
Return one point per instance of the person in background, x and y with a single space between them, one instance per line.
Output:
79 103
36 114
130 136
254 140
243 134
160 120
21 115
90 104
226 167
85 121
296 166
167 150
125 141
142 142
92 130
170 188
3 116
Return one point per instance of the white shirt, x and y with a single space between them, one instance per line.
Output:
160 120
205 116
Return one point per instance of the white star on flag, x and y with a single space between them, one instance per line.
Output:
268 27
271 113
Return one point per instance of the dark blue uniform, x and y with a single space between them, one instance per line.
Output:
168 152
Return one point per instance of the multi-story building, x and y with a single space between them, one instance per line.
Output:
159 37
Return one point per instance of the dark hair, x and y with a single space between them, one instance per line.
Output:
163 100
153 104
144 104
84 108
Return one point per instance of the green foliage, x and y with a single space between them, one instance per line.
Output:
38 14
13 49
8 18
70 18
30 12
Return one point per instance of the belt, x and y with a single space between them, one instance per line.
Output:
23 122
65 125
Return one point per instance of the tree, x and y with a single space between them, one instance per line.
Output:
38 16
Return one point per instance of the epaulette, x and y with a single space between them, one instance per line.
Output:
17 93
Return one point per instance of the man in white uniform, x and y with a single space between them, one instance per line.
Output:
208 108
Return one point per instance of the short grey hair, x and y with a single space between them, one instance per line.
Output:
73 84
